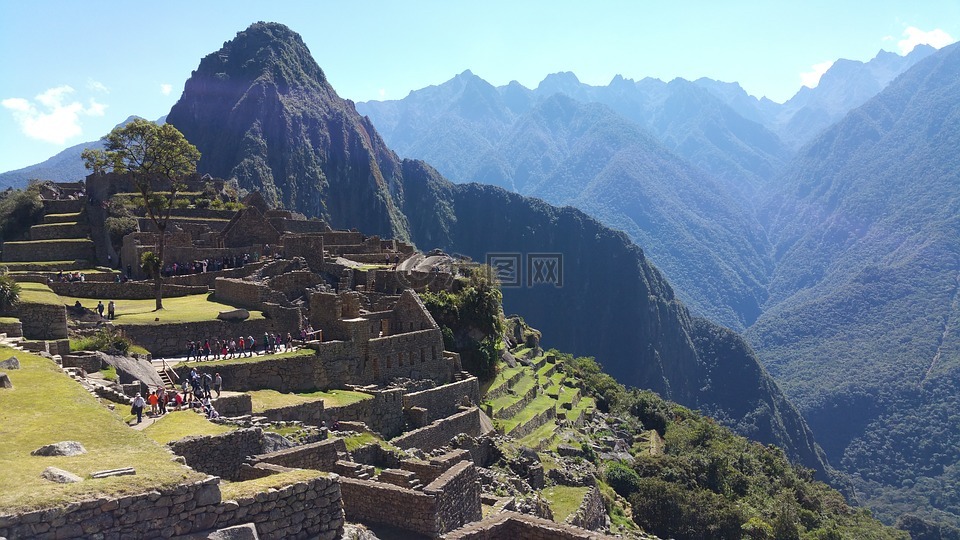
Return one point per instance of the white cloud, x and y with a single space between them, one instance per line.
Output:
52 118
811 78
913 36
165 89
97 86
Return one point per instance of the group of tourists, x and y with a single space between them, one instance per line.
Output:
196 393
207 265
72 277
222 349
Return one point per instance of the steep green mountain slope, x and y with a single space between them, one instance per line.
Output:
613 304
863 325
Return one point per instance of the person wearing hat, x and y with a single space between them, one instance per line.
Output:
138 404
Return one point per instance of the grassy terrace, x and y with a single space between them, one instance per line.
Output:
502 377
45 406
362 439
183 309
249 359
526 382
38 293
240 490
264 400
564 500
179 424
47 266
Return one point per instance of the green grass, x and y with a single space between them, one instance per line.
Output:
518 391
545 432
241 490
264 400
183 309
362 439
249 359
109 373
46 266
564 500
502 377
45 406
176 425
9 320
38 293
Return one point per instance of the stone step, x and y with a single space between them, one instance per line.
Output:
61 218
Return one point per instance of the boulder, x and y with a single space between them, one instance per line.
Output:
63 448
274 441
60 476
10 363
5 381
234 315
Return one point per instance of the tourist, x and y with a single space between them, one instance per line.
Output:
185 385
100 308
289 343
207 381
252 343
111 310
233 347
162 400
206 349
189 350
266 343
153 399
177 400
129 272
217 384
137 407
223 350
241 343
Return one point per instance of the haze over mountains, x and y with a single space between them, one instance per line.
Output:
829 233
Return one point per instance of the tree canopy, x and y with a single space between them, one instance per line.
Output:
154 156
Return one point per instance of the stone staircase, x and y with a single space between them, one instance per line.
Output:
353 470
401 478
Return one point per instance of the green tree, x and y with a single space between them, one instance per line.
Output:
156 157
9 291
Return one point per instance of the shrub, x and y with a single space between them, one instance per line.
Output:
622 479
108 340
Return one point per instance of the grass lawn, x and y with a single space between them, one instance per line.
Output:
45 406
564 500
248 359
176 425
535 407
264 400
38 293
9 320
183 309
362 439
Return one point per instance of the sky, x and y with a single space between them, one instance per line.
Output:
71 70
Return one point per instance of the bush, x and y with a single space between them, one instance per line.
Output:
118 227
622 479
19 209
669 511
108 340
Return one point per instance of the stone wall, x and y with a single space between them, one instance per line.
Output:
514 525
233 404
310 509
413 355
292 284
440 433
448 502
247 294
309 413
320 455
131 290
382 414
531 425
445 400
220 455
12 328
591 514
284 374
49 250
308 246
170 339
41 321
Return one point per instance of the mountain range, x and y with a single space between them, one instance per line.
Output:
852 275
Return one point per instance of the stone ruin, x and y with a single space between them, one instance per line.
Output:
371 334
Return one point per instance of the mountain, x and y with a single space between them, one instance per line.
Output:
261 110
862 324
65 166
842 88
573 150
261 105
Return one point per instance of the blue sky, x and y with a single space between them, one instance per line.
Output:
72 70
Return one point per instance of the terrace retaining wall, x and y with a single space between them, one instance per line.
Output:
440 432
445 400
220 455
